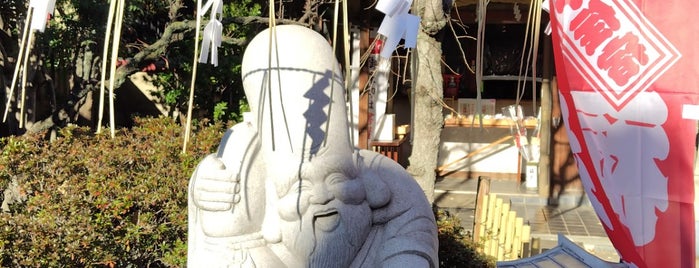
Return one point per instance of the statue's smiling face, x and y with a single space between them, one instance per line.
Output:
324 211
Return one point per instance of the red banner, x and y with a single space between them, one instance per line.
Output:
628 82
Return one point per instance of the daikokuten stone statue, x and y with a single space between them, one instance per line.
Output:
288 189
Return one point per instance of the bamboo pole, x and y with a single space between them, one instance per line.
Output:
20 58
190 102
105 54
334 49
115 53
348 67
24 77
480 47
273 43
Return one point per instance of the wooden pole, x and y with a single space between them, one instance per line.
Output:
545 124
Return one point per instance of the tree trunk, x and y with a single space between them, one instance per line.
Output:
427 109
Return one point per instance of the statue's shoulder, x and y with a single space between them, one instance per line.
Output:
405 231
381 164
405 193
241 137
389 171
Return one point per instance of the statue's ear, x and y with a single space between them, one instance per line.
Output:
377 192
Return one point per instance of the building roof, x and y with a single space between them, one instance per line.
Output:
565 254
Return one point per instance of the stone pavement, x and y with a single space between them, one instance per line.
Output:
573 216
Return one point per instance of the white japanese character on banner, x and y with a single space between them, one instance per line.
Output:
617 142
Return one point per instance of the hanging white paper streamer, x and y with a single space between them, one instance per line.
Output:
212 32
397 24
354 76
212 40
393 7
545 6
42 8
380 95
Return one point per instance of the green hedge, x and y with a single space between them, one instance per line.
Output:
456 247
89 200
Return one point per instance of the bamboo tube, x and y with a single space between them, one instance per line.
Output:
503 231
481 207
497 216
20 58
105 54
517 239
510 234
526 241
488 228
480 219
536 245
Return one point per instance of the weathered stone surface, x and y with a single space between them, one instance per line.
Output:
287 188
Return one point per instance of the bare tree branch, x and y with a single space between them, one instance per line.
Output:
159 48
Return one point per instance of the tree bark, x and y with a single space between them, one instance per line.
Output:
427 109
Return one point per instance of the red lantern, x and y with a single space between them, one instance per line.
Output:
451 85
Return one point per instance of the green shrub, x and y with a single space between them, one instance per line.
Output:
89 200
456 248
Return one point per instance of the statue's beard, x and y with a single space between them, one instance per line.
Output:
329 235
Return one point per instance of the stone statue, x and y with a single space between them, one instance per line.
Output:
288 189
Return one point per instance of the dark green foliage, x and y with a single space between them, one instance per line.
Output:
95 201
89 200
219 88
456 249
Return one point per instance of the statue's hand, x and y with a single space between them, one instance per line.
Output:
215 187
